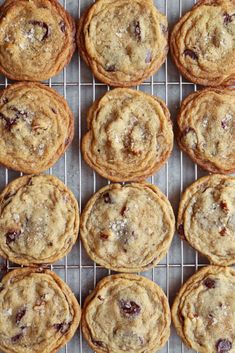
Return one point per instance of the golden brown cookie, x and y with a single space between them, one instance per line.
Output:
206 129
129 135
122 41
206 218
204 310
39 220
37 39
38 312
126 313
36 127
202 43
127 228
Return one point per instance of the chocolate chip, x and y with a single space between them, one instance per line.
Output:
16 338
111 68
209 283
104 236
191 54
123 210
223 232
223 345
12 235
20 314
224 206
181 229
5 100
53 110
137 30
98 343
107 198
228 18
62 26
164 29
129 308
148 57
67 140
62 327
44 26
100 298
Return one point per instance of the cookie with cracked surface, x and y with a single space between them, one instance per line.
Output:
114 233
203 43
206 129
122 41
204 310
126 313
38 312
129 135
37 39
39 220
36 127
206 218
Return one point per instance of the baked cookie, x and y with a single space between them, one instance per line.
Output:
37 39
206 218
36 127
206 129
126 313
129 135
204 310
202 43
122 41
39 220
38 312
127 228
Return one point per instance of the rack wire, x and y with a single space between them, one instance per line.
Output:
80 88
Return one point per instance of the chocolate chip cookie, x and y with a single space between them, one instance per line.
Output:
39 220
204 311
129 135
206 218
38 312
126 313
127 228
36 127
37 39
202 43
206 129
122 41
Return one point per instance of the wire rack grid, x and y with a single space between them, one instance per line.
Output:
80 88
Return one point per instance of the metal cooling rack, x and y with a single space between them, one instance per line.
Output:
79 87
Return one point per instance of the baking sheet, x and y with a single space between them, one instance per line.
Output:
80 89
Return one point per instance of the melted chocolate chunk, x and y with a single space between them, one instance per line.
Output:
16 338
20 314
228 18
191 54
8 122
129 308
107 198
12 236
53 110
148 57
224 206
62 327
181 229
62 26
111 68
223 232
223 345
209 283
137 30
44 26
